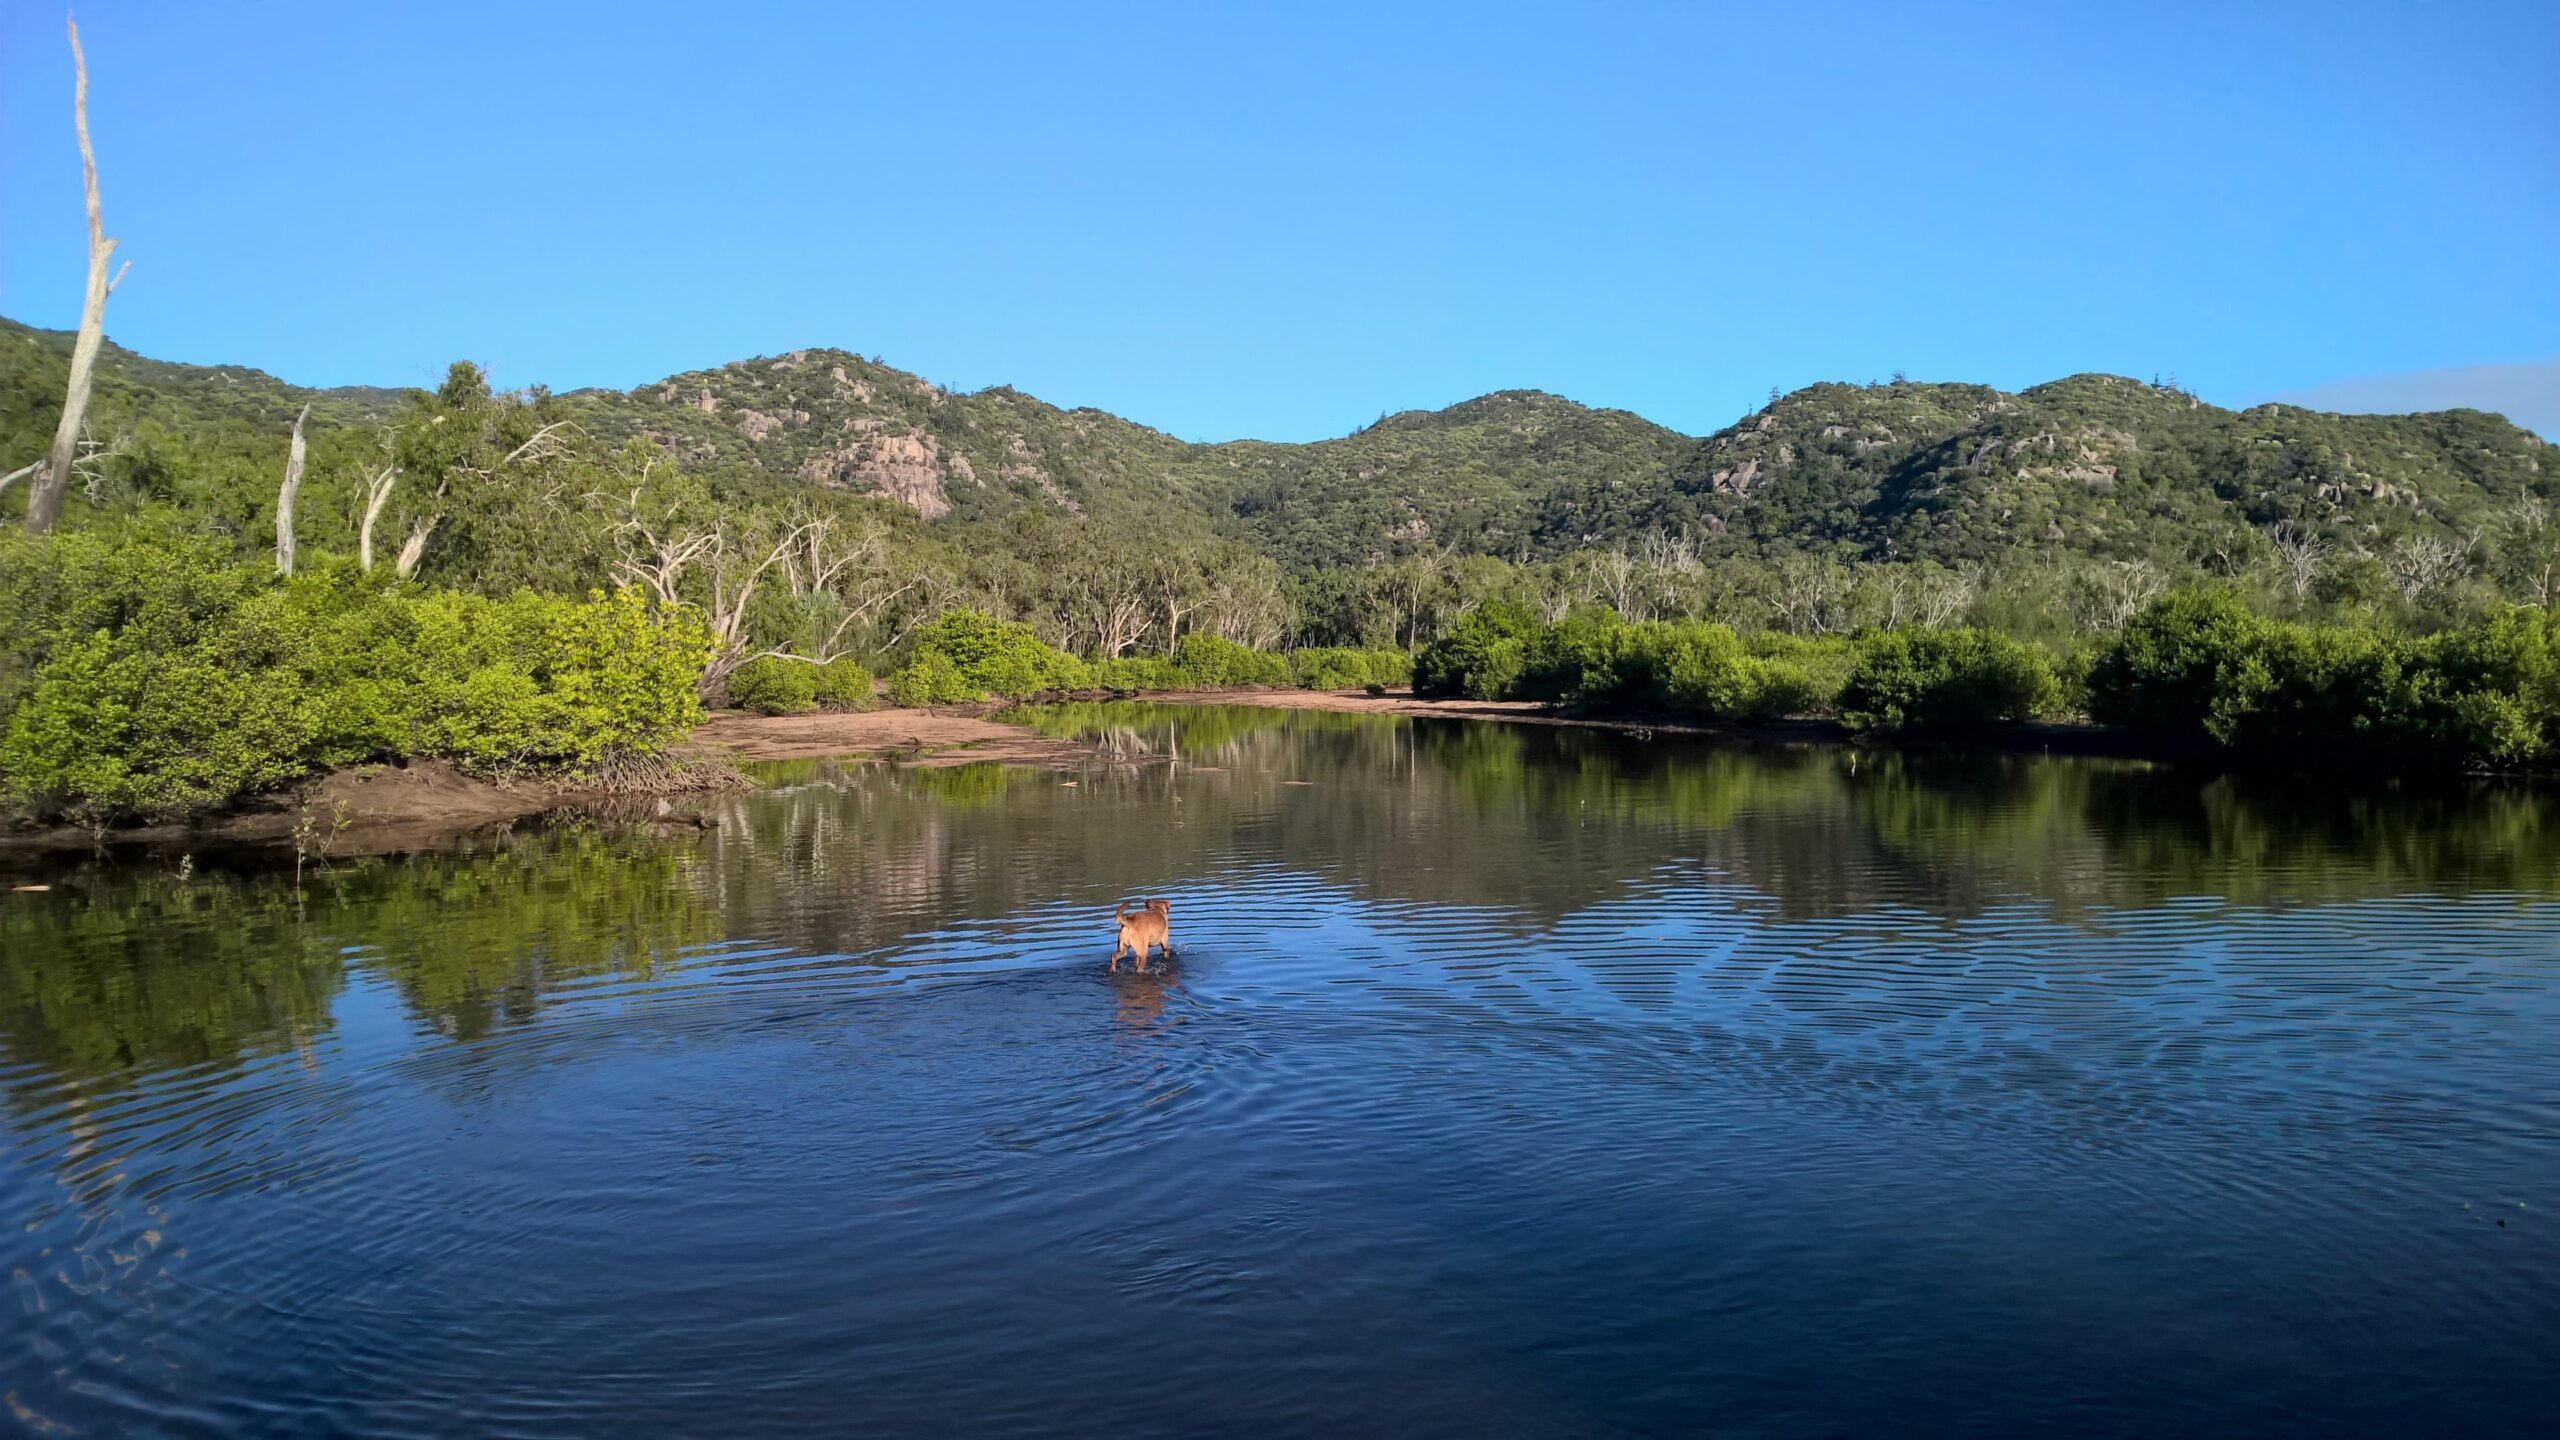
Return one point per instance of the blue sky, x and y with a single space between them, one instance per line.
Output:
1282 220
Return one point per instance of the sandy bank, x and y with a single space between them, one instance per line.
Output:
950 735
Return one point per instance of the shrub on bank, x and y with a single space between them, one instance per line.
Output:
931 679
772 685
1942 681
545 683
1595 659
1816 666
2197 666
1001 657
1212 662
1480 659
965 656
2181 669
845 684
1133 674
1335 668
1706 669
146 677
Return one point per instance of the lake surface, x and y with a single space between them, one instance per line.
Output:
1511 1082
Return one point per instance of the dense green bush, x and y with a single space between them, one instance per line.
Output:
2180 668
1816 665
1212 662
1336 668
1132 674
931 679
845 684
1590 657
782 685
1708 670
2200 667
1479 659
540 682
1002 657
149 678
1937 681
1593 658
772 685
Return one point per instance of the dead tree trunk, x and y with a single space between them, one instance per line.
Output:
44 502
285 496
377 493
415 547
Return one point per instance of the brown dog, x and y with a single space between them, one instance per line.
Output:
1149 925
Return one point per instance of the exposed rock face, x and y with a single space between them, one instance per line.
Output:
1736 481
908 467
1021 462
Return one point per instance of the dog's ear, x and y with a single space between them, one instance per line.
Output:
1161 907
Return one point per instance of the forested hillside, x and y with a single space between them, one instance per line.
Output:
2094 465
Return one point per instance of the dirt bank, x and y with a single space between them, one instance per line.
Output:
950 735
390 809
379 810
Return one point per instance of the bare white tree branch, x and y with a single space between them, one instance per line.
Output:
295 455
377 493
2301 552
415 547
44 502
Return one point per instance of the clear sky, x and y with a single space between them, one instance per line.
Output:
1281 220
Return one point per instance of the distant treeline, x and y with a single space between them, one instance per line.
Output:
2194 671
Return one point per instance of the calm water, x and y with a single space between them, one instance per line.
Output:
1510 1082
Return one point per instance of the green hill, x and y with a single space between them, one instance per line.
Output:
2092 464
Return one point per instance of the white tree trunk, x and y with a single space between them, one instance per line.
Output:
44 502
286 493
415 547
377 493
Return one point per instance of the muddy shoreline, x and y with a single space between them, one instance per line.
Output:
394 808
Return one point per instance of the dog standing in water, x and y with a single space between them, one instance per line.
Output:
1149 925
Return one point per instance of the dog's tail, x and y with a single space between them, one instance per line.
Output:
1123 913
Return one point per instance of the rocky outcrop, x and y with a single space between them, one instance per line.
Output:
907 466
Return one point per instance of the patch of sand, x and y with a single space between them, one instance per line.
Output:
927 738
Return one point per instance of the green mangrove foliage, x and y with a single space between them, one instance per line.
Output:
1329 667
1946 681
2199 667
968 655
149 677
1592 658
845 683
788 685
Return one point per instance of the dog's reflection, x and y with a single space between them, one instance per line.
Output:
1138 996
